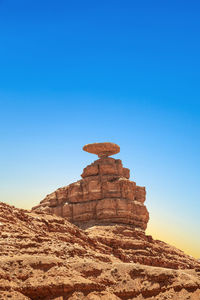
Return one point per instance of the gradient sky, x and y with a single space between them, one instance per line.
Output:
77 72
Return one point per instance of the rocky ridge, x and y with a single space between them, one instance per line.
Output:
108 256
43 256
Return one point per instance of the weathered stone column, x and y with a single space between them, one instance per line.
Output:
103 195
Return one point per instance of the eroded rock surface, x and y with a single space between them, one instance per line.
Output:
104 195
45 257
107 256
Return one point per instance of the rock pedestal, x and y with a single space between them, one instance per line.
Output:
103 195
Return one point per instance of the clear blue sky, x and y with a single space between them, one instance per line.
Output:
75 72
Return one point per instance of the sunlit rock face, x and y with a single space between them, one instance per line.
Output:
43 257
103 195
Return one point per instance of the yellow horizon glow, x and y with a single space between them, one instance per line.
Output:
175 237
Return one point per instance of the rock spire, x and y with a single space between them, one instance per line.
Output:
104 195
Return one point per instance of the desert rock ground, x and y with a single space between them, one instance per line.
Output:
43 256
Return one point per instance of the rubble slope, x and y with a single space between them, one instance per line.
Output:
43 256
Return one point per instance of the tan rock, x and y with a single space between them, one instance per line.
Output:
84 212
58 210
126 173
102 149
44 257
90 171
104 194
67 211
74 193
140 194
106 210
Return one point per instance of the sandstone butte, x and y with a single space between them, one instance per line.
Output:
87 241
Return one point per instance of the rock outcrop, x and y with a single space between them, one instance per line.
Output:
104 195
45 257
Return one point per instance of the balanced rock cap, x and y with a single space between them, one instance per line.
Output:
102 149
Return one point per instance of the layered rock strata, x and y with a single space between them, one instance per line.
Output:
45 257
103 195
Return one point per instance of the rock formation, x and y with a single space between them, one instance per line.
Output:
104 195
45 257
